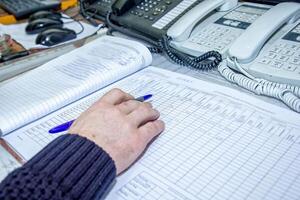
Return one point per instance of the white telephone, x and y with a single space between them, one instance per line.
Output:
270 22
220 29
268 54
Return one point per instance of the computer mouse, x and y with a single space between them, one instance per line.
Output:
45 14
39 25
55 36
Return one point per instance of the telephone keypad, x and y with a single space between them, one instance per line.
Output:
220 35
285 53
284 56
152 7
215 37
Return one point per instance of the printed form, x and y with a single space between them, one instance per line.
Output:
218 143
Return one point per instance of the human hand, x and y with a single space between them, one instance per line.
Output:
120 125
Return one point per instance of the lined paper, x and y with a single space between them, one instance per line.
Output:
68 78
218 143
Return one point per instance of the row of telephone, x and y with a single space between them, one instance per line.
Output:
258 40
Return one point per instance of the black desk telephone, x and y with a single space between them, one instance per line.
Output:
160 21
156 18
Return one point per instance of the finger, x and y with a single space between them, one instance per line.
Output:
151 129
116 96
143 114
129 106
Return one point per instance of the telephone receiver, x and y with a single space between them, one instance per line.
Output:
246 48
119 7
182 29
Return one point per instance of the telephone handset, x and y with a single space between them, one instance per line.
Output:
269 60
246 48
182 29
119 7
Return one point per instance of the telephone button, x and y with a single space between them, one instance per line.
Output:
283 58
276 50
202 43
220 47
235 23
168 2
295 61
227 22
297 29
288 52
271 55
276 64
294 47
265 61
290 68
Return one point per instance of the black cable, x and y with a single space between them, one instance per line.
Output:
82 11
82 27
74 20
206 61
155 50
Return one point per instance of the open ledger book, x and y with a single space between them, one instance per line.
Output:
68 78
218 144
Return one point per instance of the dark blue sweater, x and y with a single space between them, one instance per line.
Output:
70 167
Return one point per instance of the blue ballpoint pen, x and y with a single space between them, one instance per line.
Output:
67 125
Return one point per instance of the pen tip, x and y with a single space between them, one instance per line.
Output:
148 96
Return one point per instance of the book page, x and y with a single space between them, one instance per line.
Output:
68 78
219 143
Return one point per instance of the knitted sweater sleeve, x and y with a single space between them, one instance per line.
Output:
70 167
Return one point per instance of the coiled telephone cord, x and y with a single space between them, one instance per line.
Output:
211 59
288 94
